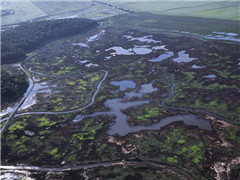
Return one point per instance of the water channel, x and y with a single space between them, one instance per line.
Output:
121 126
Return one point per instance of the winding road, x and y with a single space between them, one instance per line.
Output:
182 173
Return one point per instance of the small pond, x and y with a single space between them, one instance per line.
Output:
124 85
223 36
31 98
197 67
146 39
210 76
120 51
162 57
183 57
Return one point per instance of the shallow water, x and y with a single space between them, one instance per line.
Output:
124 85
145 88
91 65
84 61
80 44
123 128
223 36
224 33
120 51
210 76
146 39
197 67
183 57
96 37
162 57
142 50
120 125
31 99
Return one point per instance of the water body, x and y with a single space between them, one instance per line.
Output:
224 33
70 111
91 65
84 61
146 39
120 125
183 57
124 85
162 57
107 57
80 45
197 67
31 99
223 36
210 76
120 51
159 47
96 37
14 109
145 88
141 50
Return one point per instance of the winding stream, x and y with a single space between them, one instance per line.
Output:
188 108
121 127
30 87
62 112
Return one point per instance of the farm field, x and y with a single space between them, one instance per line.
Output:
228 10
27 10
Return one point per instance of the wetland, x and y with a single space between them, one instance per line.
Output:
127 102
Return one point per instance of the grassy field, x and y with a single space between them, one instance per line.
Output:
28 10
22 12
209 9
58 7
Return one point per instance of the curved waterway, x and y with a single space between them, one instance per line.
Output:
62 112
14 110
121 126
187 108
70 111
49 75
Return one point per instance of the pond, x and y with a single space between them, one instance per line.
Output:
141 50
31 98
96 37
120 51
121 127
162 57
223 36
136 50
197 67
146 39
80 45
145 88
183 57
124 85
210 76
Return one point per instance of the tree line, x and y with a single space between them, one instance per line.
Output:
13 86
16 42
